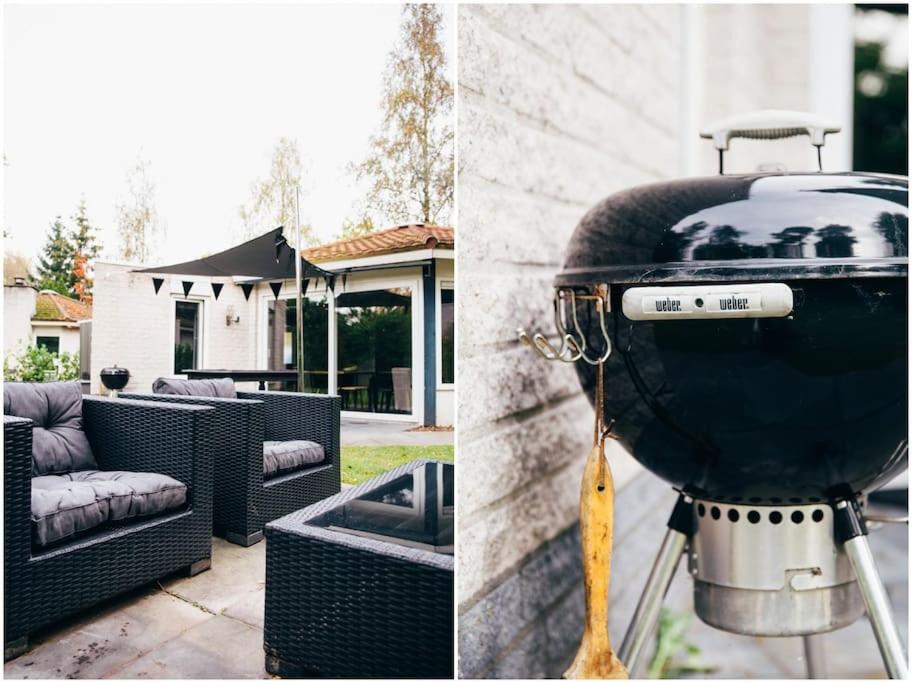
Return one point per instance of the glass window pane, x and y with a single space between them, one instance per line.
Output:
186 335
447 337
52 344
282 352
375 350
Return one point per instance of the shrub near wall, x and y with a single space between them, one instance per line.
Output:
37 364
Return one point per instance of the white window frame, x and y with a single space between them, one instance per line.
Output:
360 282
438 326
203 323
263 300
366 282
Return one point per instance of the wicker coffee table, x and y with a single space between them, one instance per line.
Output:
361 584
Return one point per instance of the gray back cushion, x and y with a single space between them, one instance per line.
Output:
207 388
59 444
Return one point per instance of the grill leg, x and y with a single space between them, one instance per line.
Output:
852 533
647 611
814 658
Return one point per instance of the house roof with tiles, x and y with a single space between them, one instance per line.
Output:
52 306
390 241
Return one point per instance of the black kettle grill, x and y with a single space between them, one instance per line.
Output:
753 333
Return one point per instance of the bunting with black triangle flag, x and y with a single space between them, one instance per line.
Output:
276 288
157 282
187 285
247 287
216 289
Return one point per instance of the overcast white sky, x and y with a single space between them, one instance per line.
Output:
202 92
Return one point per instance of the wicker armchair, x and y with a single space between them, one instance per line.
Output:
245 500
47 584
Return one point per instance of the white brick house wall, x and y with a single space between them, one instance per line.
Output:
133 327
560 106
18 309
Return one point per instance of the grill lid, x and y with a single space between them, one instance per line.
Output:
756 227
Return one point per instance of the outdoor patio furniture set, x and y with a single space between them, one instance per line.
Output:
103 495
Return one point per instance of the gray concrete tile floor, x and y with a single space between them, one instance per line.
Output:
364 432
207 626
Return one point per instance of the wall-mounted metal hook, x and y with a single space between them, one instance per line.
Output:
573 339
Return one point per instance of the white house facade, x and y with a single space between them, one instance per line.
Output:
43 318
383 339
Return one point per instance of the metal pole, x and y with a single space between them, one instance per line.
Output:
878 606
647 612
814 659
299 312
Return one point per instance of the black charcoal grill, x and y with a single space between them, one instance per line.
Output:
753 333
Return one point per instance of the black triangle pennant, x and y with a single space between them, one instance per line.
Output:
304 285
344 280
330 281
217 289
247 287
157 282
276 288
187 285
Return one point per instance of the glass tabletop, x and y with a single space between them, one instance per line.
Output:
414 510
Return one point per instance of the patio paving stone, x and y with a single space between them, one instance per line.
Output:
220 647
235 572
363 432
250 609
207 626
106 639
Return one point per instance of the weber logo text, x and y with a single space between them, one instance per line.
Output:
734 303
668 305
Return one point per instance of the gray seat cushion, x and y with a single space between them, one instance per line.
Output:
59 443
281 457
69 504
207 388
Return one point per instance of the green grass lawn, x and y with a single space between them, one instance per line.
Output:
360 463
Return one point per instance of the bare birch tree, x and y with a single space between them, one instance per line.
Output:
410 164
272 199
138 224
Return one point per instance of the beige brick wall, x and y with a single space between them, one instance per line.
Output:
756 57
560 106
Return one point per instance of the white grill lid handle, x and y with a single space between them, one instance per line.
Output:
769 124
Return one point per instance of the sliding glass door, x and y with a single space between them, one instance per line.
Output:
374 341
281 342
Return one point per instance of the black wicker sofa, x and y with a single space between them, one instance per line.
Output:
276 451
100 496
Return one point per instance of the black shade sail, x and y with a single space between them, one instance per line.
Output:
268 256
